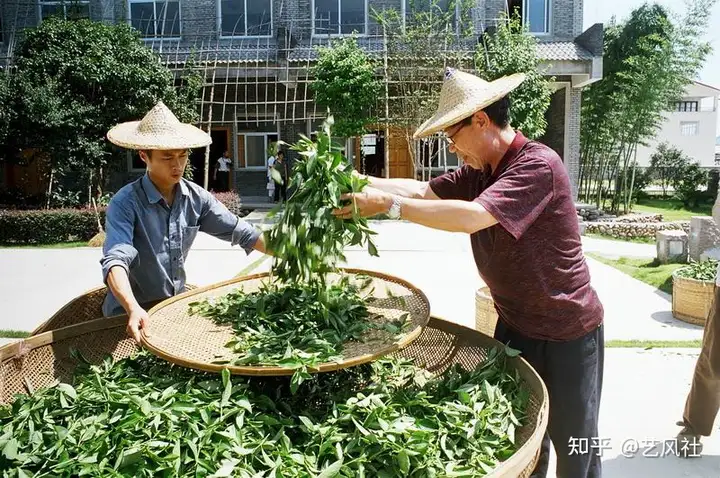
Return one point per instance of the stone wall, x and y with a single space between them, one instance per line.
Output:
704 235
631 230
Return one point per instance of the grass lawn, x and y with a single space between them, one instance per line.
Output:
645 270
61 245
671 209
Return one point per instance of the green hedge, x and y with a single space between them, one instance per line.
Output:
48 226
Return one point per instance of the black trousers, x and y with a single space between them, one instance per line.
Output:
280 190
223 181
573 373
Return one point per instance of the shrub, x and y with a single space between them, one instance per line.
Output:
48 226
232 201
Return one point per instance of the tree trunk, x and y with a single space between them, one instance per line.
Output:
50 186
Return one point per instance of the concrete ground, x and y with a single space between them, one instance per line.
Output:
643 393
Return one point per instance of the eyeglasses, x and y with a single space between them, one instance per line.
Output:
449 137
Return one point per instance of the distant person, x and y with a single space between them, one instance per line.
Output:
222 172
280 165
270 180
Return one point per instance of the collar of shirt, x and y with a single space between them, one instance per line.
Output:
511 154
152 193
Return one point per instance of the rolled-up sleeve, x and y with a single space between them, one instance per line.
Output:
218 221
118 249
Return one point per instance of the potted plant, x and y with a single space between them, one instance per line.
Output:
693 287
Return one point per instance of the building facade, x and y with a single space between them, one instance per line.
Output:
690 125
255 56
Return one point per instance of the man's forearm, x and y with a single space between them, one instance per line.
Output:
448 215
409 188
119 283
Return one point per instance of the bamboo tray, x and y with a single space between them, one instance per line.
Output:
692 299
43 360
196 342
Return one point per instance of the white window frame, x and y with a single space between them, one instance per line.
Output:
335 35
548 18
155 2
245 134
683 124
219 22
63 3
442 155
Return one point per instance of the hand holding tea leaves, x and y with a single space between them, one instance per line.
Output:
299 320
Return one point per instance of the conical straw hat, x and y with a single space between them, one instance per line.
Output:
464 94
159 129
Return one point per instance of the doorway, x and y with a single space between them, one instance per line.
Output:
372 149
220 144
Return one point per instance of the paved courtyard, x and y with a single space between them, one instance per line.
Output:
644 390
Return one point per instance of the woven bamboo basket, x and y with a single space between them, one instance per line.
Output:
485 314
82 308
195 341
42 360
692 299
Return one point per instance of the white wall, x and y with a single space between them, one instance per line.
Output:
700 146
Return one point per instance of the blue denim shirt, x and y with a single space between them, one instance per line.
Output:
151 240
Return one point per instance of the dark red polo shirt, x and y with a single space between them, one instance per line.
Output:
532 260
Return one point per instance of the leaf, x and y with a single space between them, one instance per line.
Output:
332 470
227 466
11 449
67 390
404 462
511 352
228 388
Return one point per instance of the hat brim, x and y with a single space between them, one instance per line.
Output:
444 119
185 136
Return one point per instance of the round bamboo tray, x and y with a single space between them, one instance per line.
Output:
82 308
41 361
197 342
692 299
486 316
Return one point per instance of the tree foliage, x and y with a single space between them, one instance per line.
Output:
75 79
667 164
512 49
347 85
648 61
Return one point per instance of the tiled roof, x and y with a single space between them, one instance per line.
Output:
241 52
562 50
306 51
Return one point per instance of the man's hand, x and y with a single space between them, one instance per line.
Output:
370 202
138 319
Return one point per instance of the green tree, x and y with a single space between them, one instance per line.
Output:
347 85
75 79
649 60
512 49
667 165
688 183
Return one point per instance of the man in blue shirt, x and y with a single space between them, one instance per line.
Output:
152 222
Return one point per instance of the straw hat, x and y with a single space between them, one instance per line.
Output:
464 94
159 129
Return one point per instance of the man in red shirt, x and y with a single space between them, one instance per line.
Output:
513 197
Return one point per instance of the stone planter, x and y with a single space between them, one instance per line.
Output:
692 299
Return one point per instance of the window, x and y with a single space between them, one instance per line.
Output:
689 128
156 19
69 9
685 106
339 17
535 14
433 154
717 159
239 18
255 146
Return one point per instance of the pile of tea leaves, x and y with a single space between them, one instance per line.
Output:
299 318
141 417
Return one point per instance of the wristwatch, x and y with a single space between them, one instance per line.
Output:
394 212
